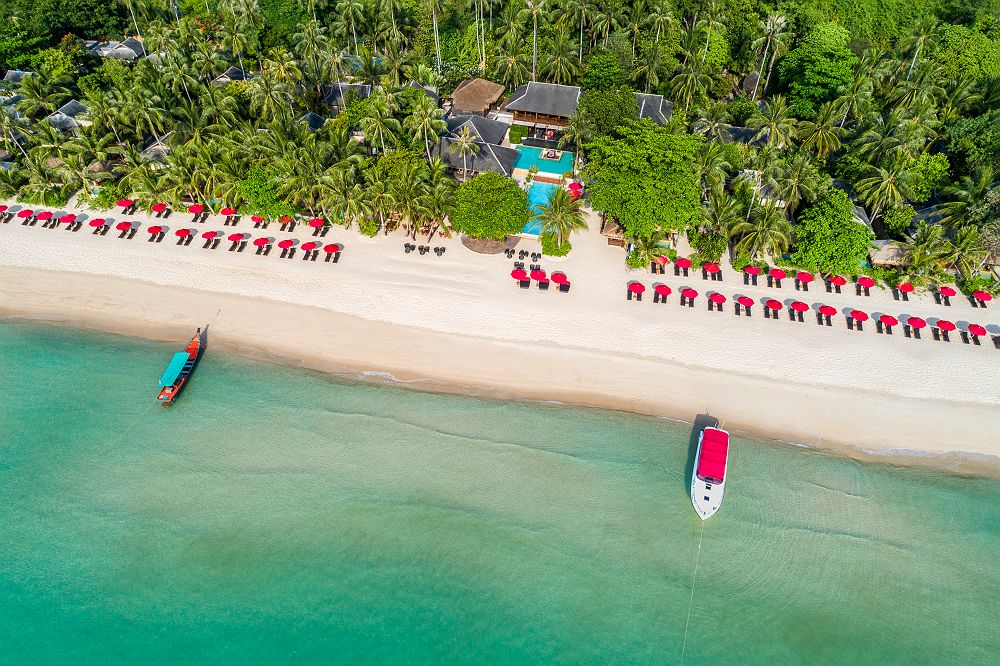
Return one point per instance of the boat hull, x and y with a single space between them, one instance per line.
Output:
706 492
194 348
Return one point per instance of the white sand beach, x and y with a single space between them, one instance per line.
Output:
459 320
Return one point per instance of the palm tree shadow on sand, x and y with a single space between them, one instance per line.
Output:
701 422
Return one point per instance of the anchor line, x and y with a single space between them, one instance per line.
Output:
694 580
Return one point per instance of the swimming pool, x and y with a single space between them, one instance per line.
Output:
531 156
538 198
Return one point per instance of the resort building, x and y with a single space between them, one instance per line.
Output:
156 150
68 117
313 120
341 94
14 76
488 154
232 74
129 49
654 107
430 92
476 97
544 108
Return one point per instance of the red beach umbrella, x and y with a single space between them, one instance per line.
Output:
751 270
559 278
125 203
827 310
916 322
683 262
256 218
634 287
945 325
716 297
235 237
196 208
182 233
158 207
689 293
44 215
123 226
3 209
333 248
287 243
859 315
745 301
660 259
802 276
905 287
866 282
977 330
96 222
68 218
947 291
519 274
888 320
777 274
227 211
261 242
285 219
662 290
211 234
575 186
837 280
799 306
309 247
773 304
982 296
711 267
316 222
538 274
155 229
26 213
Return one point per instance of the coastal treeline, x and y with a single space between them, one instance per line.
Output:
800 131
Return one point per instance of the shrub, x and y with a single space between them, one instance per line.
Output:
551 247
898 219
979 282
369 227
635 260
517 133
489 206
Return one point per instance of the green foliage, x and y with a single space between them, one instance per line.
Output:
369 226
975 142
56 63
645 179
260 192
52 19
828 239
606 110
489 206
281 20
963 50
979 282
517 133
707 246
817 67
740 110
551 246
111 73
635 260
930 172
898 219
17 46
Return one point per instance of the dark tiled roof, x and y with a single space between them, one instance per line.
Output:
427 91
15 75
733 134
334 98
654 107
490 131
548 98
313 120
232 74
475 95
135 45
72 108
489 158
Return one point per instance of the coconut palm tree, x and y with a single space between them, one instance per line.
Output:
926 250
426 124
855 98
562 216
773 39
511 67
41 95
711 20
967 252
661 17
379 125
822 136
690 83
885 187
767 231
721 214
650 67
464 144
969 191
712 120
574 10
775 124
558 63
711 166
918 40
435 7
798 180
12 127
534 9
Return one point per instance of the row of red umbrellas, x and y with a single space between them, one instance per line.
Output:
538 275
195 209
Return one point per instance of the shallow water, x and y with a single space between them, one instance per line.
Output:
277 515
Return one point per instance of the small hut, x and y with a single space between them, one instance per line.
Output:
475 97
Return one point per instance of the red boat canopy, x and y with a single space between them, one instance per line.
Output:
774 304
945 325
716 297
158 207
982 296
802 276
745 301
837 280
799 306
196 208
859 315
122 226
866 282
683 262
519 274
634 287
916 322
777 274
827 310
947 291
888 320
309 247
905 287
711 267
976 329
332 248
689 293
751 270
662 289
227 211
713 455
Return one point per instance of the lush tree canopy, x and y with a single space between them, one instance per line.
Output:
644 179
821 63
606 110
827 237
490 206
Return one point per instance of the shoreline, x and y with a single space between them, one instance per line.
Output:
355 349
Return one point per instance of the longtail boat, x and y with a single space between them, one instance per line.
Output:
179 369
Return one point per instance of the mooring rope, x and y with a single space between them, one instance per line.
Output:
694 580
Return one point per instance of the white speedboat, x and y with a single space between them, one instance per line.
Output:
708 480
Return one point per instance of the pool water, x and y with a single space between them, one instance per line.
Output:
538 198
531 156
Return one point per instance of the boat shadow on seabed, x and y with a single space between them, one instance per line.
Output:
701 421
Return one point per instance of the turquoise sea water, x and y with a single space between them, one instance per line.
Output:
279 516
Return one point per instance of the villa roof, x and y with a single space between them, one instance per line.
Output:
550 99
313 120
734 134
15 75
430 92
157 150
129 49
489 157
340 90
232 74
475 96
66 117
490 131
654 107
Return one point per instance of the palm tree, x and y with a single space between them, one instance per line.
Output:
712 120
711 167
855 98
41 94
661 17
352 13
922 34
775 124
562 216
558 63
969 191
534 9
765 232
426 124
10 128
574 9
650 67
711 20
926 250
721 214
797 181
773 39
967 252
464 144
690 83
435 6
511 68
379 125
822 135
647 248
885 188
